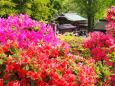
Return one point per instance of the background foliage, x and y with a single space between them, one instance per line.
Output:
37 9
48 9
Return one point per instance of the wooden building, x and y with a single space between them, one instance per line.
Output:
70 22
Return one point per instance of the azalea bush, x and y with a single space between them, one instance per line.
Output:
102 49
45 66
100 45
97 46
25 31
31 55
110 27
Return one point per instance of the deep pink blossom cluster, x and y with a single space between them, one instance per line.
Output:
100 45
25 31
111 20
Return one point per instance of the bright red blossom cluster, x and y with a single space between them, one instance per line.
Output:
45 65
100 45
110 27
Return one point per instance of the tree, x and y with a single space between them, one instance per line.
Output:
69 6
46 9
90 8
23 6
112 2
37 9
40 10
6 8
56 7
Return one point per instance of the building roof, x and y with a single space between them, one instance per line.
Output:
74 17
71 17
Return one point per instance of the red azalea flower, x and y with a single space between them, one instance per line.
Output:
42 83
30 52
1 82
69 77
96 53
9 67
1 50
108 63
33 75
14 83
23 82
112 80
22 73
17 67
6 76
54 53
5 48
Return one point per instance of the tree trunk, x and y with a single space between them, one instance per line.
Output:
90 15
90 23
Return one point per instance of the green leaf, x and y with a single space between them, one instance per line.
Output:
75 72
12 49
47 78
1 61
59 73
27 67
97 70
13 28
